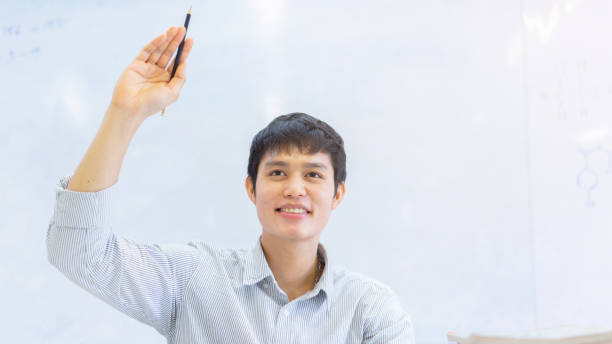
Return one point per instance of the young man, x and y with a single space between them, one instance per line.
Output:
283 290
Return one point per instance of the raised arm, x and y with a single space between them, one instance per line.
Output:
143 89
144 281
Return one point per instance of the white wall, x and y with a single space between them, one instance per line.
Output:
467 127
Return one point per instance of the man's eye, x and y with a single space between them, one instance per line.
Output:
276 173
314 174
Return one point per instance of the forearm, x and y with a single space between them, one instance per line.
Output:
102 162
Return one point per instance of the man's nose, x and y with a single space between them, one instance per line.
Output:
295 187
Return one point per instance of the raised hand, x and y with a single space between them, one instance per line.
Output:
145 87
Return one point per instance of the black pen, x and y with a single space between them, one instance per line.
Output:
180 50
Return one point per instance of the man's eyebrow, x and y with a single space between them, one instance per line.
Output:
314 165
279 163
273 163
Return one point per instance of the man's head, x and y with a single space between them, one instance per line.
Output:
296 174
304 132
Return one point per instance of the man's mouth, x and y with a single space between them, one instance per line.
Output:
293 210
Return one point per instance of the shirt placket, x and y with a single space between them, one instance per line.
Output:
284 325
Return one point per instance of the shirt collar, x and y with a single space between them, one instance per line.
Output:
326 282
256 268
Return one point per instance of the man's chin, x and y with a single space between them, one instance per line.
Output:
294 235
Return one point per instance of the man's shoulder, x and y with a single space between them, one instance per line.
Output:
376 303
358 284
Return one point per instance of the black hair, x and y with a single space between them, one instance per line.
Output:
308 134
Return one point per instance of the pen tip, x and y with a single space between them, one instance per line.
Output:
189 10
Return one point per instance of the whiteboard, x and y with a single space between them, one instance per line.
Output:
477 136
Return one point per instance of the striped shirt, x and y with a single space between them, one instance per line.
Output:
196 293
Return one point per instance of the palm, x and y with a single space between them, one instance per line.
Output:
145 86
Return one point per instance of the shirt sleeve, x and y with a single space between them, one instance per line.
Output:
385 320
145 282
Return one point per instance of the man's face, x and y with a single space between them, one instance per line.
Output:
294 194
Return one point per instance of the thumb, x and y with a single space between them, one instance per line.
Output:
177 82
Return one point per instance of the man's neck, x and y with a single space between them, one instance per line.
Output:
293 263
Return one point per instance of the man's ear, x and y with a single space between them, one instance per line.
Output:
339 195
250 188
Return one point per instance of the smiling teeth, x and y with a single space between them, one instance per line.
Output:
293 210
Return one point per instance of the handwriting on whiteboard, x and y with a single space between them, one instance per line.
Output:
24 40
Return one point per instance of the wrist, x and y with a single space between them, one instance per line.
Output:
127 120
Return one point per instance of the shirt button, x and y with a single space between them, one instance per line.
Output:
286 313
265 285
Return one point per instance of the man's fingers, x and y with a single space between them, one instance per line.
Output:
146 52
186 50
159 49
175 41
177 82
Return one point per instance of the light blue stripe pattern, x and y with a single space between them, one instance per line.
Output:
197 293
